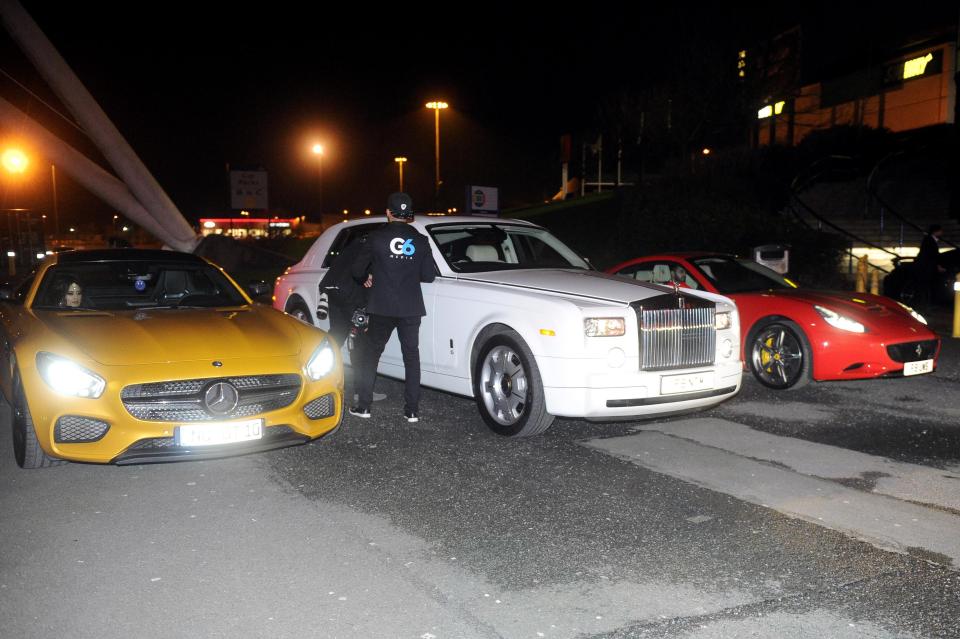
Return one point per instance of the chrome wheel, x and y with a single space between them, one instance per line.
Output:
779 356
503 385
299 310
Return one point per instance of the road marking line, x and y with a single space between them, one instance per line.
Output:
883 521
909 482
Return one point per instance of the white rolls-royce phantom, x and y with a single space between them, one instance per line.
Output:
520 322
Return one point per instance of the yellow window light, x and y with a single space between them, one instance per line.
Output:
778 107
916 66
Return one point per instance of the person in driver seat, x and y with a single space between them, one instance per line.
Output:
70 293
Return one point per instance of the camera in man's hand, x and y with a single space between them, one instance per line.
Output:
360 319
359 322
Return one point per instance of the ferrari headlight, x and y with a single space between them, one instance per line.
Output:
321 362
69 378
604 326
723 320
915 315
839 321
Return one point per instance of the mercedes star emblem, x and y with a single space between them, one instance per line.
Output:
221 398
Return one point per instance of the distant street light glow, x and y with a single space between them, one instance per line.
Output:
15 160
400 162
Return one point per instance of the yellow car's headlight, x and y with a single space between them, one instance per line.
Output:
69 378
604 326
322 361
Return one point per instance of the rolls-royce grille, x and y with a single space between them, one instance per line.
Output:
73 429
197 400
677 337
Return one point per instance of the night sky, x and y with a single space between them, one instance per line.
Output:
256 86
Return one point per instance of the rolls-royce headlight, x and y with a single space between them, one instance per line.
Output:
69 378
321 362
839 321
915 315
604 326
723 320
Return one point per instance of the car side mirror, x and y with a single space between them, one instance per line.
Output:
258 289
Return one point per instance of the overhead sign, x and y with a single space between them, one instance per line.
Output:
483 200
248 190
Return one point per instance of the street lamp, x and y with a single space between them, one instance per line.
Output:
318 151
400 162
437 105
15 161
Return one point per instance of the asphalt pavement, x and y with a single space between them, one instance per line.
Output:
699 526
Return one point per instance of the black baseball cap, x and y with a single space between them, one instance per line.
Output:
400 206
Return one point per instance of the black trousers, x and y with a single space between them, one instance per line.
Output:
339 315
341 322
408 330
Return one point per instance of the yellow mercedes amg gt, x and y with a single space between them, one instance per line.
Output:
130 356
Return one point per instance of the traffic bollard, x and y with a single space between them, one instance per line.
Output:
861 282
956 307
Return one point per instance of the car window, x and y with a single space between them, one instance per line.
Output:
20 293
730 275
126 284
481 247
346 236
665 272
640 272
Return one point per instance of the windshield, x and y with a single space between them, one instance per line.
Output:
731 275
481 247
130 284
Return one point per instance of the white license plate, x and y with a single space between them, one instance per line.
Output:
918 368
216 433
670 384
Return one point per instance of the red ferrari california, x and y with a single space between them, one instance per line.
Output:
791 335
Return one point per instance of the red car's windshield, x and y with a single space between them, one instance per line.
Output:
730 275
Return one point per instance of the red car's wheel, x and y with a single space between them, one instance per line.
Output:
779 355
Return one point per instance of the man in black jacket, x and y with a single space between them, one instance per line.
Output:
395 259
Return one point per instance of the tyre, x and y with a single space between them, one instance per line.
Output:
298 308
26 448
779 355
508 387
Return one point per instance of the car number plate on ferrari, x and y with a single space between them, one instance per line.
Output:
918 368
670 384
216 433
